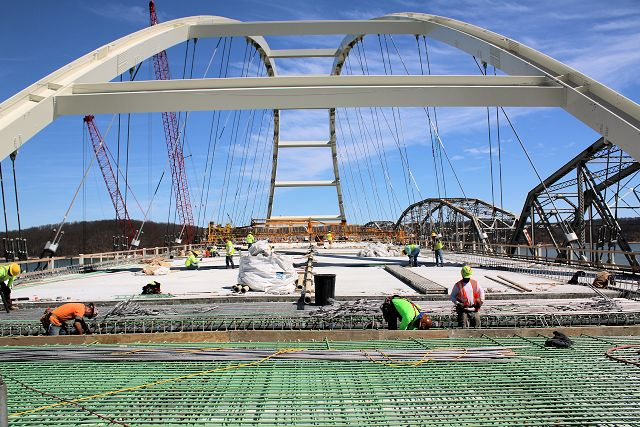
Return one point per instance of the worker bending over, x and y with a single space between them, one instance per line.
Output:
437 249
410 316
75 311
412 251
8 274
230 252
191 263
250 240
468 296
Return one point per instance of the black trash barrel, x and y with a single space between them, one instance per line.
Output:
325 288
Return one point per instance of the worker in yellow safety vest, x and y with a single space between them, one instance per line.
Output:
250 239
412 251
468 296
437 249
191 263
230 252
330 238
410 315
8 274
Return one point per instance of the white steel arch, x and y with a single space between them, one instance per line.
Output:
535 79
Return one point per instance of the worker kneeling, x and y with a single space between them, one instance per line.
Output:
75 311
410 316
191 263
468 296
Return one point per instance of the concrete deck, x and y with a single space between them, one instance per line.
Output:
355 277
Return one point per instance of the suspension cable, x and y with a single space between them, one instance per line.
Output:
4 205
15 189
493 197
379 146
499 147
433 152
213 115
435 119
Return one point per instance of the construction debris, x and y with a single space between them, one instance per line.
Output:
380 250
359 307
130 308
157 267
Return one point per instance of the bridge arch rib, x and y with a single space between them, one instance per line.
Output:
607 112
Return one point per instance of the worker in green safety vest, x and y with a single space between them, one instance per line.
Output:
410 315
437 249
250 239
8 274
191 263
412 251
230 252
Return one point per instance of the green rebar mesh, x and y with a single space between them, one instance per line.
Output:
577 387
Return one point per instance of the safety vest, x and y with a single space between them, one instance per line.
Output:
409 248
230 249
191 259
250 238
329 236
439 245
462 296
6 277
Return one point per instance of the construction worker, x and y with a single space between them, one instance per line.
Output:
250 239
8 274
191 263
412 251
330 238
437 249
75 311
230 252
410 315
468 296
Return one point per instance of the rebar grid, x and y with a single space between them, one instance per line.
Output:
293 323
569 387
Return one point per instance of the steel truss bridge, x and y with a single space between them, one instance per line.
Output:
575 208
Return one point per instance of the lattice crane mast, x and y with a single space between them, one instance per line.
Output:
122 215
174 148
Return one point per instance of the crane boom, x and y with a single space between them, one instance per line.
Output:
100 150
174 148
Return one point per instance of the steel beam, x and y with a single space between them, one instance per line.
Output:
308 92
304 144
328 183
302 53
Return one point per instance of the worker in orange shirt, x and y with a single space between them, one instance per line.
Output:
73 311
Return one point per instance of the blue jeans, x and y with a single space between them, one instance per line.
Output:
413 257
439 257
56 330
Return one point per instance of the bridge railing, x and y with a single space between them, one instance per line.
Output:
36 268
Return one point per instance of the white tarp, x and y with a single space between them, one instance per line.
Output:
273 274
380 250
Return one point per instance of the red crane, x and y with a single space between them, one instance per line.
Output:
174 148
122 216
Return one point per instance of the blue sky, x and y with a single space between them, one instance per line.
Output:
598 38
